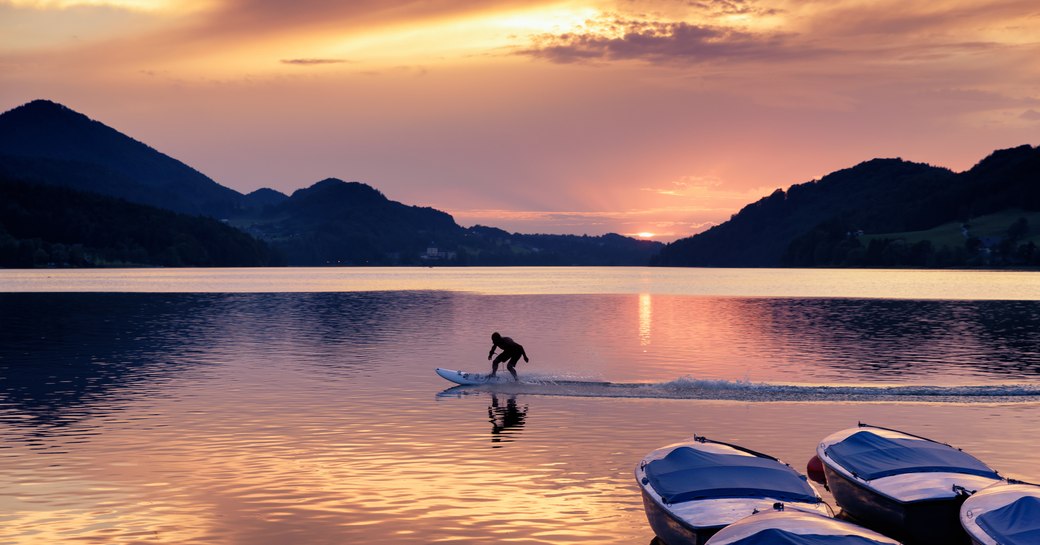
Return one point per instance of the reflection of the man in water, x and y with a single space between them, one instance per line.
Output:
505 420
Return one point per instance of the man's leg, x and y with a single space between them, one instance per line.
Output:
498 359
511 366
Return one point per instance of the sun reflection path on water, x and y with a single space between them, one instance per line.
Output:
646 314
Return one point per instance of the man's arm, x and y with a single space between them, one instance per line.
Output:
492 353
524 352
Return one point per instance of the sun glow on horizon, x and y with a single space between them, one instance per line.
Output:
645 234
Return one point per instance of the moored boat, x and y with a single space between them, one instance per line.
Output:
1003 514
903 485
789 527
691 490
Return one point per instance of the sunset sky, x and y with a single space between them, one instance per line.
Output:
660 117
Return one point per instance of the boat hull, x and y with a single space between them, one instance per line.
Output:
672 530
925 522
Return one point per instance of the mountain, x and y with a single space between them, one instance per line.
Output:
264 197
48 225
351 223
45 142
823 222
336 222
1006 178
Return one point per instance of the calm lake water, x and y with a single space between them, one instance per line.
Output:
273 406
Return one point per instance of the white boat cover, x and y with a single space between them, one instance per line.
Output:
688 474
793 527
870 456
1015 523
774 536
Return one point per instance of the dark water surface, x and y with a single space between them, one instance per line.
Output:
316 417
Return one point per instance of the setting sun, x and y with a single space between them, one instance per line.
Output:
645 234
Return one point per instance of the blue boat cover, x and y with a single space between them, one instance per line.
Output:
687 474
774 536
870 456
1017 523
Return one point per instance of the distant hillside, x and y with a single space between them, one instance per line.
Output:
44 225
350 223
841 219
335 222
46 142
492 246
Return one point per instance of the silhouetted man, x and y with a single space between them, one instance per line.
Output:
511 350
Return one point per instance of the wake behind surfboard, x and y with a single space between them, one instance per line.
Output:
470 379
713 389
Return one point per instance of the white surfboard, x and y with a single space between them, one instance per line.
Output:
469 379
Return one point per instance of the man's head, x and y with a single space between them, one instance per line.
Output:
495 337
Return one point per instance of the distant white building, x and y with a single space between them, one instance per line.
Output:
434 254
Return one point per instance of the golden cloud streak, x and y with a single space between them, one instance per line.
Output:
129 5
